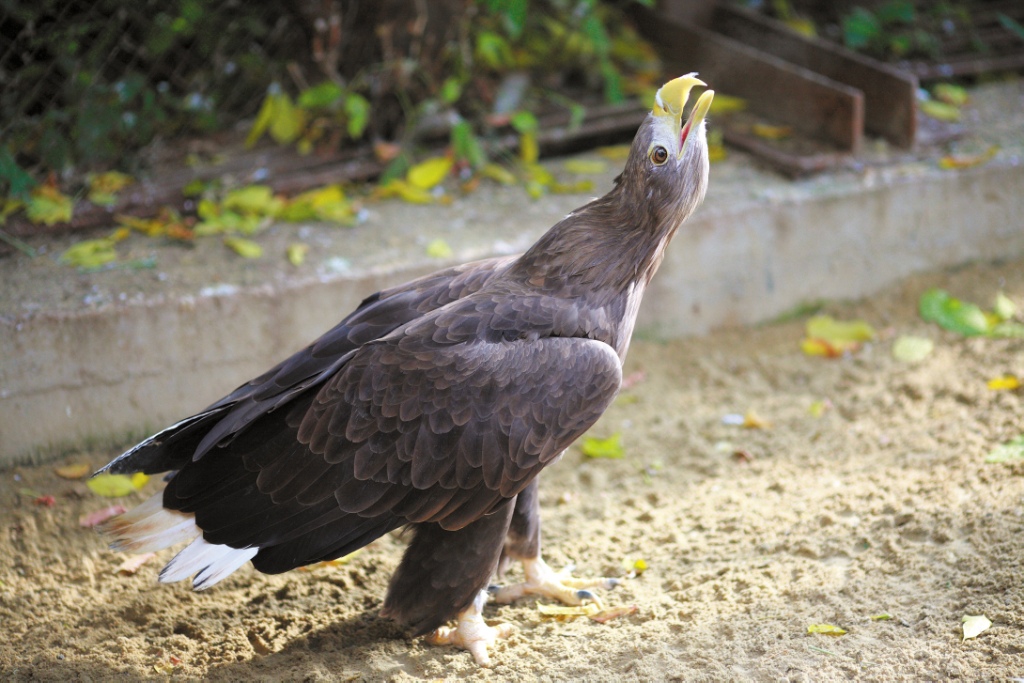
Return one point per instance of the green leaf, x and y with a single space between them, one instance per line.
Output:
451 90
321 96
492 50
897 12
49 206
17 179
524 121
1010 25
1011 451
1003 307
288 120
513 14
964 318
357 111
466 146
90 253
243 247
603 448
860 28
826 629
262 122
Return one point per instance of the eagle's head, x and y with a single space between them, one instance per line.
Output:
667 170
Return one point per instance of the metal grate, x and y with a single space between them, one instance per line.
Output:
85 84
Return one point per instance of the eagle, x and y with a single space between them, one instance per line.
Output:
433 407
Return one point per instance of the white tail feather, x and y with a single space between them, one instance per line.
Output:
211 561
150 527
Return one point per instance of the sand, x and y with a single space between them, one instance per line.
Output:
882 505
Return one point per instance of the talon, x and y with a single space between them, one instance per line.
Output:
560 585
471 633
585 595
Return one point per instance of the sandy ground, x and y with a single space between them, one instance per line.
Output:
882 505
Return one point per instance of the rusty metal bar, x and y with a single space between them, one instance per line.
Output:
890 96
811 104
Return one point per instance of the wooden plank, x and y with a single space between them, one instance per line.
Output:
813 105
890 95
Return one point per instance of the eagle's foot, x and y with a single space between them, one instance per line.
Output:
472 633
558 585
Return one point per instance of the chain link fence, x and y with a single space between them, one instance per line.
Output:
86 84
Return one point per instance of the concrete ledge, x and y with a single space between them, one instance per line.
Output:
100 368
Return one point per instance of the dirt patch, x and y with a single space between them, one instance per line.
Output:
882 505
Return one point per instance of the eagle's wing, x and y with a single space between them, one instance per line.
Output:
375 317
412 428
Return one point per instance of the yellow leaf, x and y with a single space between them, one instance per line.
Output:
49 206
287 121
258 200
804 27
910 349
832 338
116 485
974 626
429 174
438 248
617 152
243 247
323 204
568 611
76 471
951 94
881 617
120 234
769 132
640 566
529 150
818 408
585 166
826 629
953 161
297 253
104 186
262 122
726 104
498 174
90 253
603 448
403 190
752 420
579 187
937 110
1004 383
538 174
9 206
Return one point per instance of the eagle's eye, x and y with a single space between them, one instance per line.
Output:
659 155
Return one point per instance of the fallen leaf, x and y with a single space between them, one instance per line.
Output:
752 420
1011 451
253 200
826 629
585 166
909 349
438 248
49 206
609 613
962 317
386 151
498 174
818 408
974 626
89 253
950 94
832 338
76 471
322 204
726 104
881 617
116 485
243 247
1003 307
940 111
428 174
529 148
620 152
297 253
956 161
770 132
133 562
405 191
1004 383
92 519
640 566
564 612
104 187
603 448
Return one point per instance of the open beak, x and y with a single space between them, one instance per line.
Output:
697 114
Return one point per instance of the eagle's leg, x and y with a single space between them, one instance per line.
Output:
523 544
443 575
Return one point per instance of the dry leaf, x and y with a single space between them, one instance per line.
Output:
752 420
428 174
832 338
104 187
116 485
76 471
910 349
826 629
133 562
974 626
49 206
1004 383
92 519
